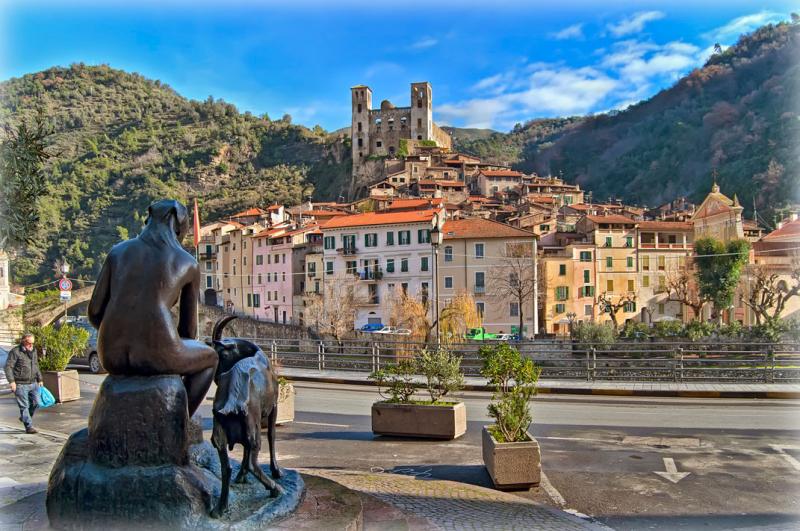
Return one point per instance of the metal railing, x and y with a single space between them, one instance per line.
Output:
622 361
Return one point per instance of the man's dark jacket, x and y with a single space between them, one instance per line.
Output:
23 366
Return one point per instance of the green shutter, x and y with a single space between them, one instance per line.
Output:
390 238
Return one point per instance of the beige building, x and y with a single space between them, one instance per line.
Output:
664 248
235 258
470 258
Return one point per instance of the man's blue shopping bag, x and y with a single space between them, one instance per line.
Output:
46 398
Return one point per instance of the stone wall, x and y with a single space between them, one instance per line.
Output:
11 325
250 328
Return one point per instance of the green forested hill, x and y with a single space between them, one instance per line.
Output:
738 115
122 140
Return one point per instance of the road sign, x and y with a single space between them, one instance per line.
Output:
65 284
66 296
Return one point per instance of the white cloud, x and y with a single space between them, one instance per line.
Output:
744 24
570 32
425 42
634 23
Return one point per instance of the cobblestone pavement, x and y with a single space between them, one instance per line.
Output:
449 505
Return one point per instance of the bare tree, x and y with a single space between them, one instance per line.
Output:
332 312
608 304
681 288
513 279
768 293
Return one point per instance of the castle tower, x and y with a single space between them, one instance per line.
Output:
359 127
421 111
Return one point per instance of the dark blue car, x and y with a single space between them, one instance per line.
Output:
371 327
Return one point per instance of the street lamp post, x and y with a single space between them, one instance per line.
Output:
571 316
436 240
64 272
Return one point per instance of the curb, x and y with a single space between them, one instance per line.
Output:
782 395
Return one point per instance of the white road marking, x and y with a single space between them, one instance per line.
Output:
551 491
781 449
323 424
672 473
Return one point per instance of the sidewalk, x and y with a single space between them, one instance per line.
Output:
389 501
582 387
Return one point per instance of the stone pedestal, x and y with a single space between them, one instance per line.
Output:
152 431
142 463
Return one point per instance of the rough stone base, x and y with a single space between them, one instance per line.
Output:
84 495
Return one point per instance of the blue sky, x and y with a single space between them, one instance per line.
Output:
491 64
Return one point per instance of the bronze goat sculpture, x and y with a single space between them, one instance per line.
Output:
246 398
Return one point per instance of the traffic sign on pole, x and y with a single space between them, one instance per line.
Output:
65 284
66 296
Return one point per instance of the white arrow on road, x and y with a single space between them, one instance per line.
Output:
672 473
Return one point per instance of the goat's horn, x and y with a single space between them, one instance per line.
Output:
216 335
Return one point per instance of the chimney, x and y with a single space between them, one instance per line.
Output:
779 225
793 216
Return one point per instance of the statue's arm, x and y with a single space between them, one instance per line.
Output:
100 295
187 321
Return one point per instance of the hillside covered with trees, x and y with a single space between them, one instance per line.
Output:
739 115
119 141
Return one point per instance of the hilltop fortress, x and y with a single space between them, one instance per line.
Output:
389 133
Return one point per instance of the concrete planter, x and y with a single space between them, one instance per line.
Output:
285 404
64 385
415 420
512 466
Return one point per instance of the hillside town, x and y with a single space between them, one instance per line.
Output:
434 221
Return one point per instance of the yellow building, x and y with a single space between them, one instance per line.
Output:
567 282
614 237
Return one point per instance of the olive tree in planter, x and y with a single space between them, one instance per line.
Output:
510 453
59 346
401 414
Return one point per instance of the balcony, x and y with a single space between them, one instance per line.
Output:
347 251
369 274
479 290
312 274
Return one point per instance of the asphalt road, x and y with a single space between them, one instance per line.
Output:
600 454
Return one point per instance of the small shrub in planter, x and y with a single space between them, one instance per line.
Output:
401 414
285 401
510 453
594 334
59 346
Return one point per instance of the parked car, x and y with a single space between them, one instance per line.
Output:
89 357
504 337
371 327
403 332
387 330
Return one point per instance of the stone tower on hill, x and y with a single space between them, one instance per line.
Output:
391 132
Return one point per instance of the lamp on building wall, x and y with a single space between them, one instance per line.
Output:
436 240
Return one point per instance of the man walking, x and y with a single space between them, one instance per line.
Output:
22 372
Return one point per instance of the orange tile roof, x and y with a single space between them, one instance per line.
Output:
456 229
666 225
381 218
538 198
323 213
789 231
249 212
270 233
274 207
414 203
610 219
501 173
441 182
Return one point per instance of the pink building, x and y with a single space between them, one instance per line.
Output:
278 272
